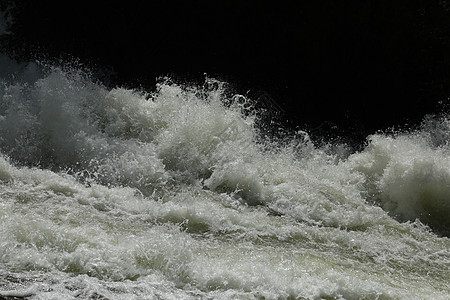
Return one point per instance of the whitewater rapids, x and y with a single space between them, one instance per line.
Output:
114 193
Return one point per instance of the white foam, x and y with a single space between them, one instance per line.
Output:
409 177
120 194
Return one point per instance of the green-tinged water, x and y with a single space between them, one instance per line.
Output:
117 194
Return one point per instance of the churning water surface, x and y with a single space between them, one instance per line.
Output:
175 194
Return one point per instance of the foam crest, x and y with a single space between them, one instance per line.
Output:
201 136
408 177
119 136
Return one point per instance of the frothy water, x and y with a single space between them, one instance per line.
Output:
174 194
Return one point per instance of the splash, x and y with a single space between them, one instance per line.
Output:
118 193
409 174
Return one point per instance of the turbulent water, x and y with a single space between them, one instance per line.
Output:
176 194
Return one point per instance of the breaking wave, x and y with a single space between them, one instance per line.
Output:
176 193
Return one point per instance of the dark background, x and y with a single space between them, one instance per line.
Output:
344 68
